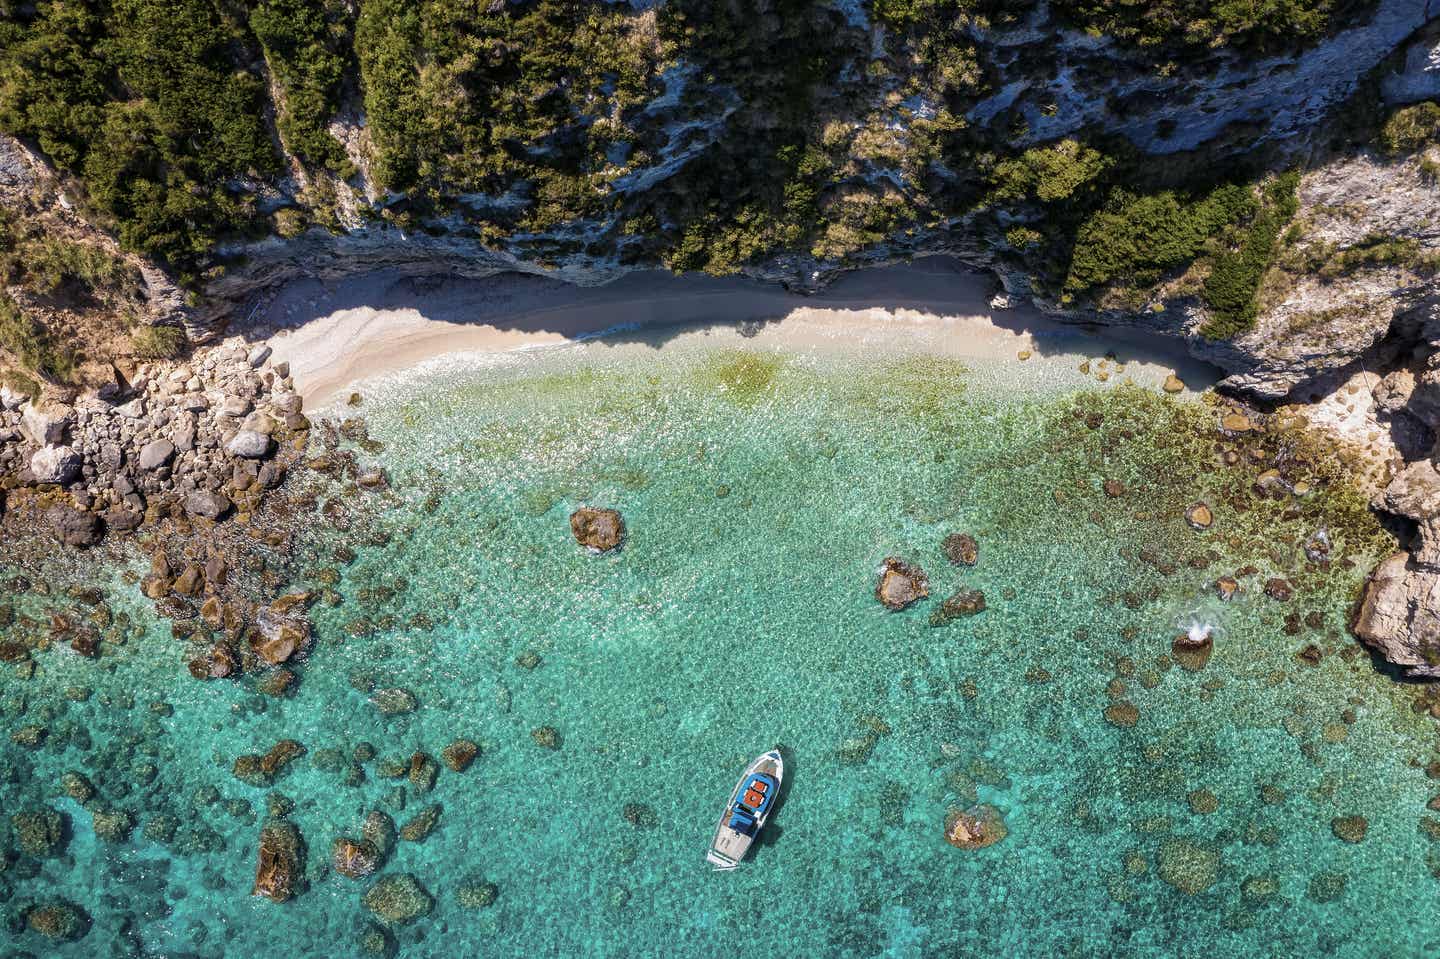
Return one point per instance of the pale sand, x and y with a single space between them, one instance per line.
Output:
382 324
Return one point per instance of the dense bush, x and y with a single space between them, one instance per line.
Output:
1410 128
1049 173
1234 278
149 104
305 43
32 344
1134 238
1255 25
158 342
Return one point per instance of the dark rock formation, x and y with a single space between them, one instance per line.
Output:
279 869
398 900
900 583
599 530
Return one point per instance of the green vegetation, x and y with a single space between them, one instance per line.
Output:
1234 279
37 351
1134 238
158 342
1049 173
470 97
51 265
305 43
1411 128
1380 251
1254 25
143 102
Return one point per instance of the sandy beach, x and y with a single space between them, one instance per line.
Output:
339 336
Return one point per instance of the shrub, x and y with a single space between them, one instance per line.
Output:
1133 238
32 344
1411 128
1234 280
1050 173
158 342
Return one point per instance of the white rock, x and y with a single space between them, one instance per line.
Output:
133 410
249 444
45 426
10 400
55 464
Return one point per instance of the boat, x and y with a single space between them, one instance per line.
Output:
745 814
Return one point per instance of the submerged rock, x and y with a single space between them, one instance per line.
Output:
1122 713
961 549
280 862
599 530
964 602
1190 653
459 755
58 919
398 900
378 830
974 828
900 583
546 737
1351 829
1279 589
476 894
421 825
112 825
1188 865
40 831
394 701
353 859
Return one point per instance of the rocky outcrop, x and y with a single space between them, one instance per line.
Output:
280 864
598 530
398 900
900 583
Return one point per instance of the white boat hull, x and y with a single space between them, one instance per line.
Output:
730 846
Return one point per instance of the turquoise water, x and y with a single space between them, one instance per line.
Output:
761 491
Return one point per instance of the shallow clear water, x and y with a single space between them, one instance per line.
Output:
761 491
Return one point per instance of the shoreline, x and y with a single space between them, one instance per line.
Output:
385 323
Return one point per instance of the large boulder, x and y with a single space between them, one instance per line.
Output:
354 859
1399 615
599 530
207 504
74 527
155 454
900 583
1415 492
248 444
280 862
398 900
55 464
45 425
278 636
